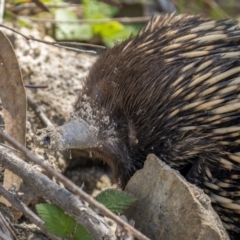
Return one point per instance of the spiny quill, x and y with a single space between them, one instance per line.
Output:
173 90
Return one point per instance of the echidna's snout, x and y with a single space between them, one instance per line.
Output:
74 134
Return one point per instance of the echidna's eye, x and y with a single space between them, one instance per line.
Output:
47 140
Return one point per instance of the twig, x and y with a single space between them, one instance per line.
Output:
23 6
41 5
9 225
4 236
92 21
55 44
35 86
6 232
39 112
28 228
82 44
2 5
72 187
13 149
16 203
70 203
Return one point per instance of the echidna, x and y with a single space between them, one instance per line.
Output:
173 90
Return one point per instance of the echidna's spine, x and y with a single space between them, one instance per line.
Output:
174 90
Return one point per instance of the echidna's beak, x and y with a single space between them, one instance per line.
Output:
73 134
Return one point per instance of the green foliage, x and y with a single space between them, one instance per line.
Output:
56 221
66 31
94 9
60 224
109 32
24 22
82 234
9 16
115 200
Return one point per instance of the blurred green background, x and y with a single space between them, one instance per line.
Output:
75 20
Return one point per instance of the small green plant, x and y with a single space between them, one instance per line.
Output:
56 221
109 32
62 225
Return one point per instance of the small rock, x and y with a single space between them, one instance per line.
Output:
168 207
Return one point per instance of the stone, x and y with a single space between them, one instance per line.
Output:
168 207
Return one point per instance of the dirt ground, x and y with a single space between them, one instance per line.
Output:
63 72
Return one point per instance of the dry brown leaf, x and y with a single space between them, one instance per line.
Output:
13 96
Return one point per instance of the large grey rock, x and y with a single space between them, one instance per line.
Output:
169 207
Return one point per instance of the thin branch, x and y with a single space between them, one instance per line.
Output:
39 112
93 21
2 6
50 190
41 5
23 6
16 203
55 44
4 236
35 86
72 187
6 232
13 149
82 44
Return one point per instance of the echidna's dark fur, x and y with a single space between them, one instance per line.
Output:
173 90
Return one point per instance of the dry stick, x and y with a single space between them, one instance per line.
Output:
23 6
69 202
56 44
4 236
13 149
35 86
6 232
72 187
41 5
15 202
39 112
82 44
2 4
92 21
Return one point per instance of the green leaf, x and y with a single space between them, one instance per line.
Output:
93 9
115 200
56 221
9 16
82 234
52 1
107 29
65 31
125 33
24 22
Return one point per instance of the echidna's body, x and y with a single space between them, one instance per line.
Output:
173 90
